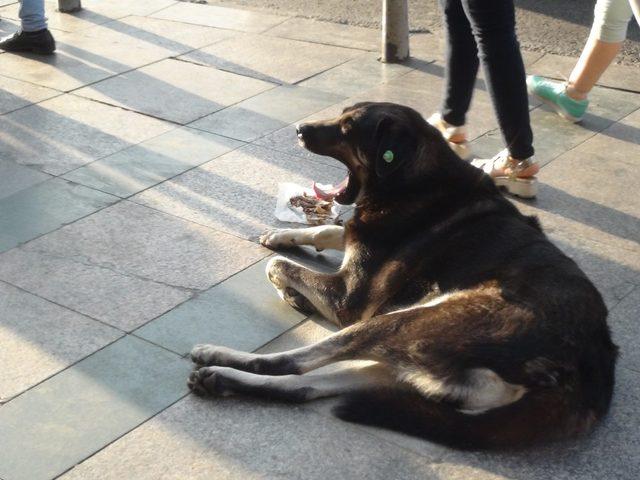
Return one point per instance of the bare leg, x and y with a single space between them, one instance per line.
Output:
594 60
321 237
225 381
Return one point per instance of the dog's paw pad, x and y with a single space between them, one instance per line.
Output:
208 381
195 383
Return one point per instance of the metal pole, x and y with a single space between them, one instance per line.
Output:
68 6
395 31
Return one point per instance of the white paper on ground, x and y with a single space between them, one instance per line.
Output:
285 212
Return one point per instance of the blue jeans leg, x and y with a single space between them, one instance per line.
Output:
32 15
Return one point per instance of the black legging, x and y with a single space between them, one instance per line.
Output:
487 26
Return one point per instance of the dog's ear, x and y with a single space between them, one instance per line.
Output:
395 145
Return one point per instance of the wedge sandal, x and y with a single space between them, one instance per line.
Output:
515 176
448 131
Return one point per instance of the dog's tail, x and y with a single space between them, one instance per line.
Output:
539 416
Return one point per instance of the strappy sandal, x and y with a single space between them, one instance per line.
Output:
448 131
515 176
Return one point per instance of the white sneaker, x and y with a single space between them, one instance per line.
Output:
449 131
516 176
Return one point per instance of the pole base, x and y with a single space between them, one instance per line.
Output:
395 31
69 6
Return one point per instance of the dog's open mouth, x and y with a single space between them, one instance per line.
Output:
344 193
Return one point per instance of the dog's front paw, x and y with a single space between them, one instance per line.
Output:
207 355
278 238
209 381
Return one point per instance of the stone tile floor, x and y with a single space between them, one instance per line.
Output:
137 168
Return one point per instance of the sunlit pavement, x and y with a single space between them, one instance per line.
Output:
137 168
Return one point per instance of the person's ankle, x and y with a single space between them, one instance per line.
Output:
575 94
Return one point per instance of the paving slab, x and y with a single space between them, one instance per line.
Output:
120 9
150 162
285 140
7 27
253 56
614 271
328 33
623 319
173 90
45 206
40 338
94 12
86 57
266 112
15 94
357 75
616 76
66 132
221 17
236 192
86 407
609 452
243 439
427 45
14 177
618 142
243 312
433 46
175 37
122 300
594 190
127 264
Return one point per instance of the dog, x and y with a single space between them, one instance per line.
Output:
481 334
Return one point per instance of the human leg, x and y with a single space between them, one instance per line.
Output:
461 68
461 63
493 27
33 36
611 18
32 15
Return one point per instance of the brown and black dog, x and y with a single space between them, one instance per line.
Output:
483 333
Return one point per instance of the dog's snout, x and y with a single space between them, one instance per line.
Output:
301 129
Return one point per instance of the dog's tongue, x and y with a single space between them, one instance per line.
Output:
328 192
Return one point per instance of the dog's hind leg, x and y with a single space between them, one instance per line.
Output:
320 237
225 381
298 361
